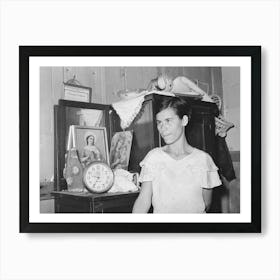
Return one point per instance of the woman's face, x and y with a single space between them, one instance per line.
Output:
170 126
90 140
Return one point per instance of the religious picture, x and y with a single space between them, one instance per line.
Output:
120 150
91 144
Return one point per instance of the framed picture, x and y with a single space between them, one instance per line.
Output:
77 92
91 144
120 150
232 73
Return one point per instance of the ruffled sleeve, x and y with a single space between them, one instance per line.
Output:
147 172
148 169
211 178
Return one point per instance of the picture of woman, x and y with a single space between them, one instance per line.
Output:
90 152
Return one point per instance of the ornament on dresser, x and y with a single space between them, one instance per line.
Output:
162 83
98 177
73 171
120 150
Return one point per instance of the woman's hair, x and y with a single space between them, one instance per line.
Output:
180 106
90 136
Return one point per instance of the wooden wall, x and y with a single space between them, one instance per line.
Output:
231 93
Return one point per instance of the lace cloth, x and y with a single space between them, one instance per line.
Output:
128 109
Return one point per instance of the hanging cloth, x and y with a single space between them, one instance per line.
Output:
128 109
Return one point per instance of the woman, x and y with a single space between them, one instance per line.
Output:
176 178
90 152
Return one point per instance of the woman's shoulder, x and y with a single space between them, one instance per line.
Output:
200 153
154 152
204 159
153 155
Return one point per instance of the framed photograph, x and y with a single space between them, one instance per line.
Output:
233 156
120 149
91 144
77 92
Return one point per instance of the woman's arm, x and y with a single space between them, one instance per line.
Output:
96 153
144 200
84 156
207 197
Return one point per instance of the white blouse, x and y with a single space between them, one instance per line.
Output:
177 184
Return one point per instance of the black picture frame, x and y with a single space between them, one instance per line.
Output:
254 52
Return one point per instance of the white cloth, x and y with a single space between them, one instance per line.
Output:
207 98
165 93
177 184
123 182
128 110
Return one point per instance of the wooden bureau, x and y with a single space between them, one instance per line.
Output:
85 202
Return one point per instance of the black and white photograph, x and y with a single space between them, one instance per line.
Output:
173 122
194 88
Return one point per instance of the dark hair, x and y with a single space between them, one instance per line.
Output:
179 105
90 136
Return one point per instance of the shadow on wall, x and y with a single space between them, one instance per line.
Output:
227 197
234 190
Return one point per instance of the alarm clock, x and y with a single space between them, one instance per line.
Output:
98 177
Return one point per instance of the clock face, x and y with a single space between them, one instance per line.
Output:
98 177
